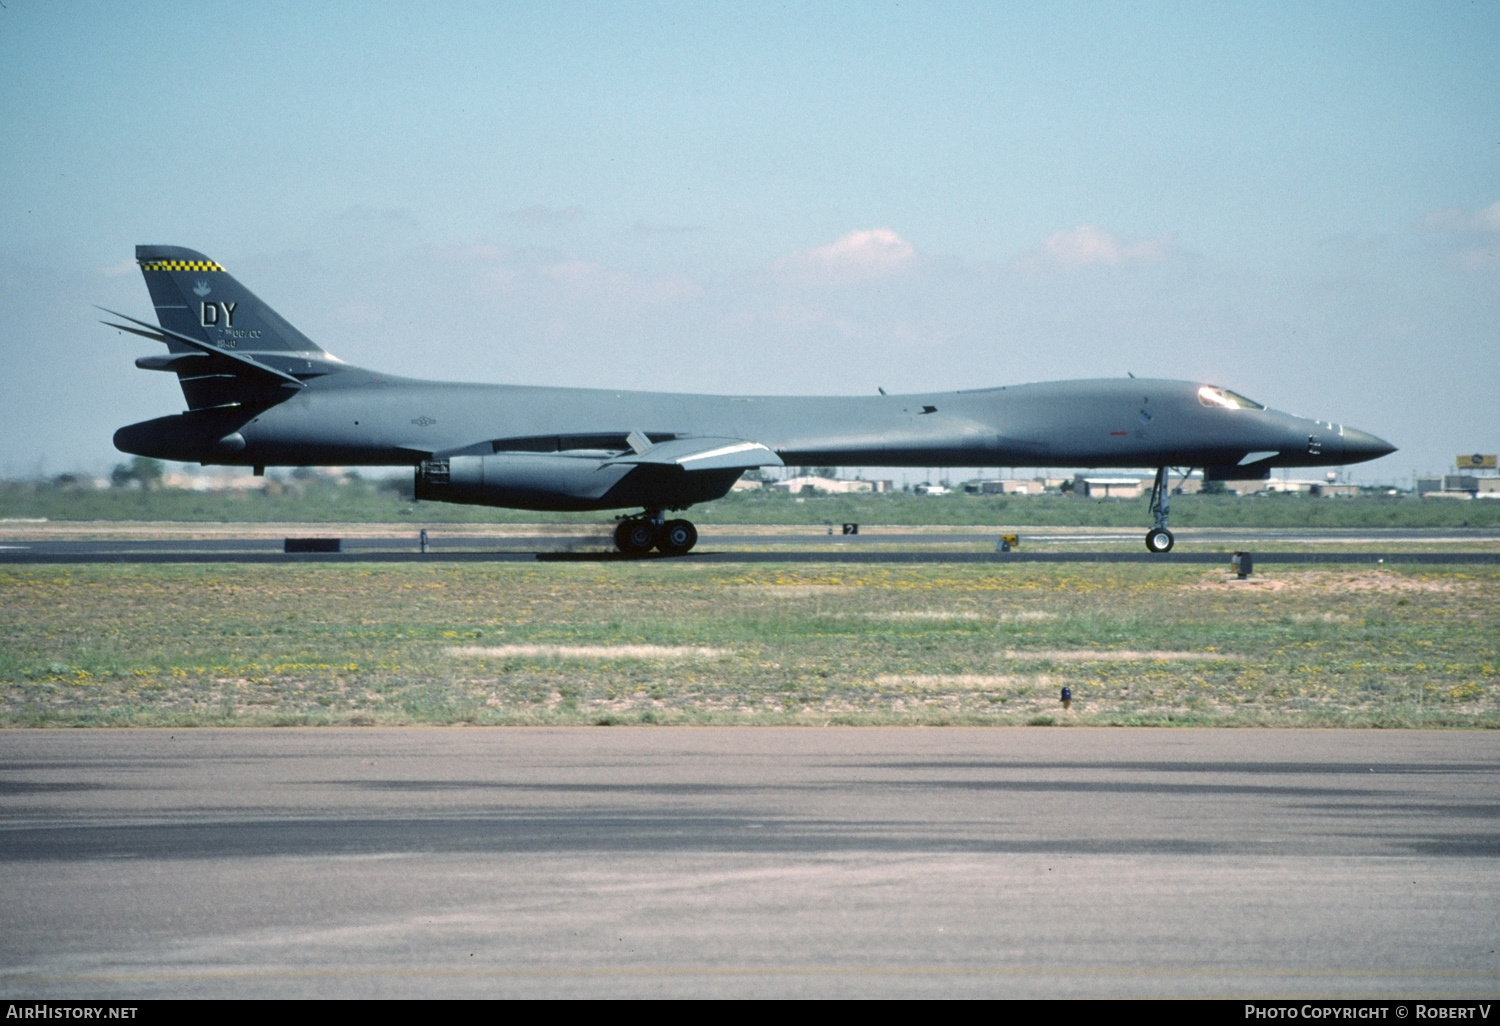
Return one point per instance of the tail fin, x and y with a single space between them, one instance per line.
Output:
196 297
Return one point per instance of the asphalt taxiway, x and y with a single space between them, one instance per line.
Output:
182 543
764 861
709 555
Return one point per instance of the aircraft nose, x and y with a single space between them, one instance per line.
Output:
1361 445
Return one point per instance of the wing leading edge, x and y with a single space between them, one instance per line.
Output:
695 454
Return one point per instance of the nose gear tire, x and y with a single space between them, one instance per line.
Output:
1159 539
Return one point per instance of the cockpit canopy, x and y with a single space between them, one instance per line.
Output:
1225 399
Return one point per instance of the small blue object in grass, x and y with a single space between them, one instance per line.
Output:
1067 698
1243 564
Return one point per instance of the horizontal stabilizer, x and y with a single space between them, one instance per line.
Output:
247 364
176 362
703 454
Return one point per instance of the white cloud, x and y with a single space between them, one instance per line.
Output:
858 256
1088 245
1457 219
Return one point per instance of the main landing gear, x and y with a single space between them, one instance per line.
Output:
1159 539
638 535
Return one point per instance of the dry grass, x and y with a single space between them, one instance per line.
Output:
962 681
591 651
1111 655
1343 582
684 643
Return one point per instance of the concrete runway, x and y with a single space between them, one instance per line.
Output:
441 542
752 861
720 545
198 551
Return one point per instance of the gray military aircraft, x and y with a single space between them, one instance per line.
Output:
260 393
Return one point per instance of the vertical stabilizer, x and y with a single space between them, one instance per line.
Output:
194 296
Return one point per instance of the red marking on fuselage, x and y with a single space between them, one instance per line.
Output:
1122 433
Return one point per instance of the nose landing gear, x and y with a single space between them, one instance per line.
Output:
635 536
1159 539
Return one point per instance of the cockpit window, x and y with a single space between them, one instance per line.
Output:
1222 397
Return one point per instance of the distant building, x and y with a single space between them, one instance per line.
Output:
1190 485
830 485
228 479
1036 487
1249 486
1459 486
80 482
1329 490
1109 487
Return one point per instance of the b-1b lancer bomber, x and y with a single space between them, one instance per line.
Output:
260 393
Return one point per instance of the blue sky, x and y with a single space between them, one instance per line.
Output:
1298 201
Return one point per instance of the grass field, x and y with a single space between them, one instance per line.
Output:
681 643
365 502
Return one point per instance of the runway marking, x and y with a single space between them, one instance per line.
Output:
593 651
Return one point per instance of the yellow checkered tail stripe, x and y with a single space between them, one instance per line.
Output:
180 265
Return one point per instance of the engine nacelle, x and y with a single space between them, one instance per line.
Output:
556 481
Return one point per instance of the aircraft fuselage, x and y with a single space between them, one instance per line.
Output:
1130 422
260 393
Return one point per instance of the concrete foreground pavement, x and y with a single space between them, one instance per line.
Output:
749 861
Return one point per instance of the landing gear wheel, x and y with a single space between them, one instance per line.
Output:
677 537
1159 539
635 537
